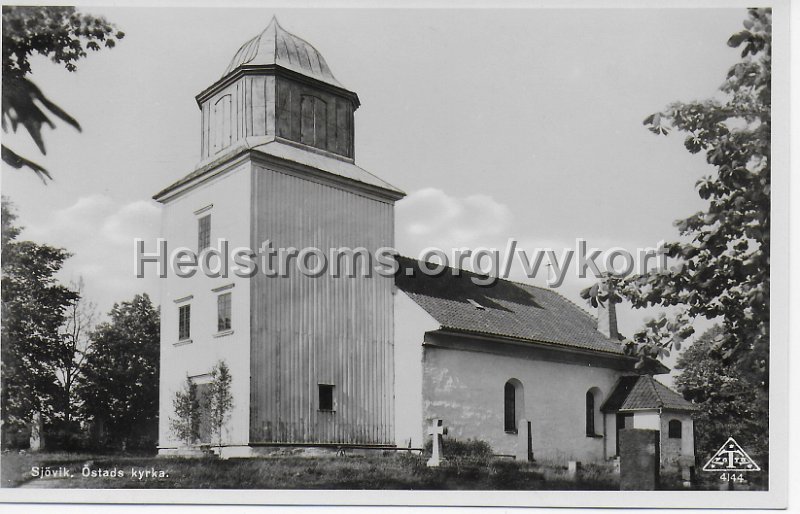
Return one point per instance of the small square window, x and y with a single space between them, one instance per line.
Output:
203 233
223 312
184 322
326 397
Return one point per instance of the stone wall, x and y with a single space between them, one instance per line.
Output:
466 389
639 459
677 454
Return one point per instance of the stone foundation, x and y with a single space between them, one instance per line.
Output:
245 451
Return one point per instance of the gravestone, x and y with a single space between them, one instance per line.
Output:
573 469
437 430
686 466
639 459
37 432
521 450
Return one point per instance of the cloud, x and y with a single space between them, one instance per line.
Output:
431 217
99 233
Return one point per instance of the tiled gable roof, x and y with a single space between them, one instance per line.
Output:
644 392
506 308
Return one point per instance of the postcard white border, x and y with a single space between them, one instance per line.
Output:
775 498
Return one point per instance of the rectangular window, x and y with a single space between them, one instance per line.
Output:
325 397
203 233
223 312
184 322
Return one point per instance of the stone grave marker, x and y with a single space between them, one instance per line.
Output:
437 430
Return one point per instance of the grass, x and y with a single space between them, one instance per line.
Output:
372 471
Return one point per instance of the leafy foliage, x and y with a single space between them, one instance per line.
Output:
721 266
186 405
120 384
33 310
220 399
60 33
76 345
195 407
458 448
730 403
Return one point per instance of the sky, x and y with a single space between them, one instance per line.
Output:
498 123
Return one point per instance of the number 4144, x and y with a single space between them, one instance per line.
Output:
737 478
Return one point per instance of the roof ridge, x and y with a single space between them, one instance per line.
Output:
300 55
276 25
650 381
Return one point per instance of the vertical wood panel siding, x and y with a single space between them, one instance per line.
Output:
252 113
259 106
263 105
306 331
269 94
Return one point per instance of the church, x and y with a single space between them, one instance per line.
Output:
369 361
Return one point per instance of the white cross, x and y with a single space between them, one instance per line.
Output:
437 430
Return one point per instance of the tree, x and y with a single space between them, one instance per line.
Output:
80 320
33 310
60 33
220 400
721 260
728 400
211 407
186 404
119 388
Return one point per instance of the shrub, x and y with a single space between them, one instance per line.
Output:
455 448
61 436
469 458
186 423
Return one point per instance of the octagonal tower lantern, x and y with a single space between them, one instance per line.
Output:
277 87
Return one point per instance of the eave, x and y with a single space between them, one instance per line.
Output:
245 152
276 70
623 361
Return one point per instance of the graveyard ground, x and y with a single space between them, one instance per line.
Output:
371 471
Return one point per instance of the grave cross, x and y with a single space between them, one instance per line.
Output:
437 430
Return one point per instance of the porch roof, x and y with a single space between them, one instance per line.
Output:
643 392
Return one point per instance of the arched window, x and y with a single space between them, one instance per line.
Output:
510 407
594 398
675 429
513 402
222 123
313 121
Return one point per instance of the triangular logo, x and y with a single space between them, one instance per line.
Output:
731 457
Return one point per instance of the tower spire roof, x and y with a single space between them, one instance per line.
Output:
276 46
